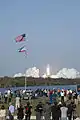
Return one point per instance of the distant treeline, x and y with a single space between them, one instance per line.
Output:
19 81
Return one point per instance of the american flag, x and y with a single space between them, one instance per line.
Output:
20 38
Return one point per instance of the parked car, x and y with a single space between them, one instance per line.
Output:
28 95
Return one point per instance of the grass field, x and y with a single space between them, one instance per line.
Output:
34 102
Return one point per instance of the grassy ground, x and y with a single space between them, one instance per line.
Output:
34 102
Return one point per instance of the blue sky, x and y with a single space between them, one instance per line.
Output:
53 28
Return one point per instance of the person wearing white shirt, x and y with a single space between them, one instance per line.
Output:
62 96
3 113
64 111
17 102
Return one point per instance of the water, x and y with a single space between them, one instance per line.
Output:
73 87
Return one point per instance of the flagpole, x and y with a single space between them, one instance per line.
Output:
25 81
25 73
20 38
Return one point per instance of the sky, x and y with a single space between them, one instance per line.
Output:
53 28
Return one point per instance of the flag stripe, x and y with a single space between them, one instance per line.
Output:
20 38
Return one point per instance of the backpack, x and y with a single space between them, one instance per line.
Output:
28 109
39 108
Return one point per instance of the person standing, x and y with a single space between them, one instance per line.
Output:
62 96
6 97
39 111
55 109
70 111
20 113
28 111
64 111
47 111
11 111
51 96
54 96
3 113
74 109
17 101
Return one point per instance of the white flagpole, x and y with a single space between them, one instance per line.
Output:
25 72
25 80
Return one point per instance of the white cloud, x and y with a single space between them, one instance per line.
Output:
67 73
31 72
18 75
63 73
